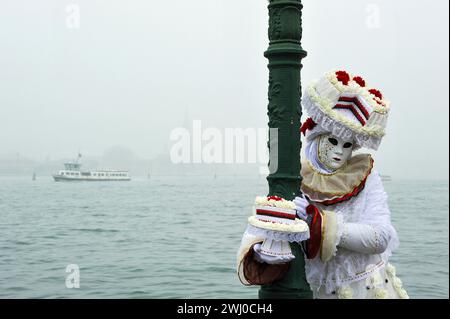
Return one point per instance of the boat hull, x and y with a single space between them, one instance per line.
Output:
60 178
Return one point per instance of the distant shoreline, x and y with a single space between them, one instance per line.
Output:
256 176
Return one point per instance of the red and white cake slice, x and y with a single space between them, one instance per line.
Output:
275 221
275 215
274 209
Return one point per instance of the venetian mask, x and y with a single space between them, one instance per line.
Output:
334 151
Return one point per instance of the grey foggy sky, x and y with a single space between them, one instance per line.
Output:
133 68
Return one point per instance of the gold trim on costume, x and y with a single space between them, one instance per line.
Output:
329 236
319 186
322 173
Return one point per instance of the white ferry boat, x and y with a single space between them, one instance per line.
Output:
72 172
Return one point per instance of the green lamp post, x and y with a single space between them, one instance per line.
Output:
285 55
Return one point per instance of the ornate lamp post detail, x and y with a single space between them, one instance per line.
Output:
285 54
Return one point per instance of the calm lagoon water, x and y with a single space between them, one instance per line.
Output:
176 237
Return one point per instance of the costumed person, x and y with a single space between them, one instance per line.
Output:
343 201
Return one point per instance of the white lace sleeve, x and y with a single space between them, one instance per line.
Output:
374 234
365 239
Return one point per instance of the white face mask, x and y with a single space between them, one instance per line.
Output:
334 151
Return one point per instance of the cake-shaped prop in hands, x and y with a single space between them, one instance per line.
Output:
275 219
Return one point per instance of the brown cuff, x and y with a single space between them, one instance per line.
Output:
257 273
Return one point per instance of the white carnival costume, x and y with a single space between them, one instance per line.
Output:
343 201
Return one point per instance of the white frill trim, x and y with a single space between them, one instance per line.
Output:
339 232
345 270
393 244
290 237
336 127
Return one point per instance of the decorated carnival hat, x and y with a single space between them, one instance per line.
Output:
344 105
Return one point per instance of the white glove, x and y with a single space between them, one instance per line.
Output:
262 258
301 204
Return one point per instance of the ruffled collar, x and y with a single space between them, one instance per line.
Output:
339 186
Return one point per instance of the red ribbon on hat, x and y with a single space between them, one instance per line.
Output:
308 125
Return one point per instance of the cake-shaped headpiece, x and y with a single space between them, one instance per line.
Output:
344 105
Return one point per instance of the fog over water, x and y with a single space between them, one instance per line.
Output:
94 76
114 80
